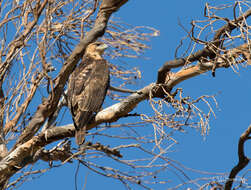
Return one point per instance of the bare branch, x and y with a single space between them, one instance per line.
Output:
49 106
208 51
20 42
243 159
27 145
53 32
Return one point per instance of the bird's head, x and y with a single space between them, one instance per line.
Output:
96 50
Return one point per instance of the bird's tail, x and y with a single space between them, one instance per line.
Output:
80 136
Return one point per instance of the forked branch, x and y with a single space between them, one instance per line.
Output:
243 159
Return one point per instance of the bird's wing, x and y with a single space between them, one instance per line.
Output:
94 91
89 90
77 82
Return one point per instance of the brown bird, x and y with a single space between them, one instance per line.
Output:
87 88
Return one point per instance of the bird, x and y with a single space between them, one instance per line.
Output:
87 88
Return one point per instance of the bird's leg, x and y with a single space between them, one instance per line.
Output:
123 90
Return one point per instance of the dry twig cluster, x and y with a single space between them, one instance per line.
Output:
50 37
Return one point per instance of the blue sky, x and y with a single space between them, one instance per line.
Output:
217 152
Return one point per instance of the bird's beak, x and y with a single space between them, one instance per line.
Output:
102 47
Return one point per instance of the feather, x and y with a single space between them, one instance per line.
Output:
87 89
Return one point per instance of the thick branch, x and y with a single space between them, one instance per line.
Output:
205 52
116 111
243 159
221 61
121 109
179 63
49 106
27 145
25 153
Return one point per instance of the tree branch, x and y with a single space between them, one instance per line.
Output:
49 106
20 42
24 153
243 159
205 52
27 144
121 109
